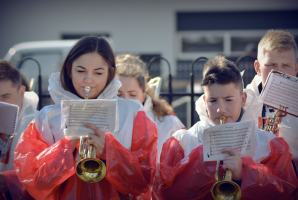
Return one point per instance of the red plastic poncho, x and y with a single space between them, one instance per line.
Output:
191 178
45 164
48 172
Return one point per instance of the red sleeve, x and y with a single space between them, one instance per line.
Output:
184 177
273 178
42 168
15 188
132 171
192 178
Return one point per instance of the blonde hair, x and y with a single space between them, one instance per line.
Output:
277 40
132 66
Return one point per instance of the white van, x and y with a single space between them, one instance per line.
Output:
49 54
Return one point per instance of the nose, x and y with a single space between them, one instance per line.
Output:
88 78
221 108
279 67
123 96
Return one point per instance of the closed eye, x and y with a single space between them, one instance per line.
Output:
5 96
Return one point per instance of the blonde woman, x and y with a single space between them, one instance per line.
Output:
131 73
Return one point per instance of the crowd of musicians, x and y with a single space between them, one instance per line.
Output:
152 155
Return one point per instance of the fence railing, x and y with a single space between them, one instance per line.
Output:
187 97
40 95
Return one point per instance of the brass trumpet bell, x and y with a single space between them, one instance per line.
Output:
89 169
226 189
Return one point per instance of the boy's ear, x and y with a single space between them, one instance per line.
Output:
257 67
296 68
22 91
243 99
204 98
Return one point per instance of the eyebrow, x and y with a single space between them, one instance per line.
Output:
223 97
7 94
269 62
85 68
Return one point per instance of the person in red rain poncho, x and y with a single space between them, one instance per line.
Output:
269 174
132 74
45 159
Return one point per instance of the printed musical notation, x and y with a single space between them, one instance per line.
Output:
90 114
101 113
236 135
281 89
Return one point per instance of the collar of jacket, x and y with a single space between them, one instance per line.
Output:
58 93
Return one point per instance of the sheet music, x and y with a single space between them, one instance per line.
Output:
281 90
8 118
102 113
238 135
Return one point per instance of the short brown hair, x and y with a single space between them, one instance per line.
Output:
132 66
85 45
277 40
221 71
9 72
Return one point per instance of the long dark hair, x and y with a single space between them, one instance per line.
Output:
85 45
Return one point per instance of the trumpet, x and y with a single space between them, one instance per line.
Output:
155 83
225 188
89 168
272 123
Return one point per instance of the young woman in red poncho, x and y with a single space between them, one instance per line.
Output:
45 160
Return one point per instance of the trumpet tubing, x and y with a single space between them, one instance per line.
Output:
89 168
225 188
273 123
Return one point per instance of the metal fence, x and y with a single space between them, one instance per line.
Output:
183 101
243 63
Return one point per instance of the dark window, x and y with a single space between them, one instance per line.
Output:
207 43
241 20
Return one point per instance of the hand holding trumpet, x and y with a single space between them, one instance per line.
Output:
233 162
98 139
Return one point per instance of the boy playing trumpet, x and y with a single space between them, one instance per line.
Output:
268 174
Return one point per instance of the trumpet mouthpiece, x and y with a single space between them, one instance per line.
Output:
87 89
222 119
